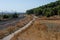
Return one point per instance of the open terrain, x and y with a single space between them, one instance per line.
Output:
5 24
14 26
40 30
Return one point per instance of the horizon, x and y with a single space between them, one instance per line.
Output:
21 5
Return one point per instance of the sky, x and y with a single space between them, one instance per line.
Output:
21 5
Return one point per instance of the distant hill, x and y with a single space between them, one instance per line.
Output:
46 10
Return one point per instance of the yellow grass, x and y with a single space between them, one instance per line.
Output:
37 31
11 28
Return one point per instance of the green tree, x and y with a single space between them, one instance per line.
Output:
59 12
46 10
15 15
38 12
30 11
5 16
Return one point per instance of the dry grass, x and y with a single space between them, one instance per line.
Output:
37 31
11 28
49 18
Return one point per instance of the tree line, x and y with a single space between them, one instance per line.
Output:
46 10
8 16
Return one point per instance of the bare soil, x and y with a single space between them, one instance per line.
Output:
13 28
39 31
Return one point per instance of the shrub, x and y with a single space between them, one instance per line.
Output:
5 16
59 12
15 15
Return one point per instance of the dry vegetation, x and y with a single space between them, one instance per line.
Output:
49 18
18 25
37 31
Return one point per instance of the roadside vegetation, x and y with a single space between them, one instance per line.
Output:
14 28
8 16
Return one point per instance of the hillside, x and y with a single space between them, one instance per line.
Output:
46 10
40 31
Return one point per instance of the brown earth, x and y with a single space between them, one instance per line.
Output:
38 31
12 29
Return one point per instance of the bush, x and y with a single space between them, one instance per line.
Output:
5 16
59 12
47 15
15 15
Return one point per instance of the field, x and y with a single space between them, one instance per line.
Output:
40 30
12 28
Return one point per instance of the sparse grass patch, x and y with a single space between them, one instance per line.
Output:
12 29
37 31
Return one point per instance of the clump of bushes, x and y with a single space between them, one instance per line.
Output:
15 15
47 10
5 16
9 16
